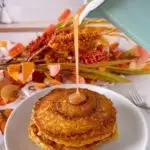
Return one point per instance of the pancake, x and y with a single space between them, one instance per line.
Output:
47 144
74 125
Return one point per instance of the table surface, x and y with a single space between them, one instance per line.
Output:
142 83
24 26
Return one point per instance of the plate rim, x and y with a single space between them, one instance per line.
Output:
87 86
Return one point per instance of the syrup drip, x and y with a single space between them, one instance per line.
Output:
76 45
77 98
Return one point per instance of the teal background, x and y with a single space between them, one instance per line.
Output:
131 16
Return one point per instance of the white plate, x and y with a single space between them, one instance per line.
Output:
132 126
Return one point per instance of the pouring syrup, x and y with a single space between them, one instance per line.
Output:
77 97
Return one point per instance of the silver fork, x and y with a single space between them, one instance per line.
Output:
137 98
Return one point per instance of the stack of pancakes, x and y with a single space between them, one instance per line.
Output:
56 124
